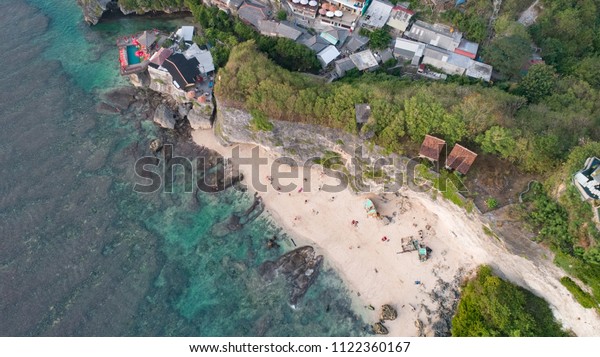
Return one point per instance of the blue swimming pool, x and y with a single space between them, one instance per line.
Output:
131 57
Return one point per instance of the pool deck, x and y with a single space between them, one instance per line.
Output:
122 43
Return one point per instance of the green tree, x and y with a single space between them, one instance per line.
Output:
538 82
379 38
507 54
490 306
281 15
498 140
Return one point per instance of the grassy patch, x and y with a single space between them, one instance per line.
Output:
589 274
259 121
586 300
330 160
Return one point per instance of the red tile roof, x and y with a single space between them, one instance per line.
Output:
160 57
460 159
403 9
432 147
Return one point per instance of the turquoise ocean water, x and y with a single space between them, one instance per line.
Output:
80 252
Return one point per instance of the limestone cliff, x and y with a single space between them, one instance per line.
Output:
305 142
93 9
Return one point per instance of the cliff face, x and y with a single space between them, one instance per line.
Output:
93 9
305 142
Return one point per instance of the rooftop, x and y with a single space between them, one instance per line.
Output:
362 111
460 159
588 179
480 70
186 32
432 147
160 56
356 42
183 71
316 43
377 14
364 60
204 58
253 13
327 55
435 34
467 48
345 64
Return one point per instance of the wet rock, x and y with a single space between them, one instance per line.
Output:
156 145
300 267
120 98
379 329
236 221
164 117
105 108
388 313
200 117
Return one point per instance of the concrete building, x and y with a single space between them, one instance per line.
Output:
364 60
343 65
400 18
356 43
327 55
279 29
377 14
252 13
467 48
408 50
316 43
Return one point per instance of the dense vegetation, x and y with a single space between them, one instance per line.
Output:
566 225
537 136
222 32
490 306
157 5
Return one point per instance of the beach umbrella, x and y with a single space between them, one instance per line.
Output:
304 2
312 3
325 5
322 12
338 13
329 14
296 1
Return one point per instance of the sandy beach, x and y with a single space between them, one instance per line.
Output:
377 273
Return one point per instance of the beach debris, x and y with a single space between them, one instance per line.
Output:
420 328
379 329
388 313
300 267
371 307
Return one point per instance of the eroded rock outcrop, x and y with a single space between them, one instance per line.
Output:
164 117
93 9
200 116
300 267
388 313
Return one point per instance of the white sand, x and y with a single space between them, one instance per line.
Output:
372 269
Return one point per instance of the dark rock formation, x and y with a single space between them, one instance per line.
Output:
300 267
164 117
120 98
379 329
236 221
94 9
388 313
